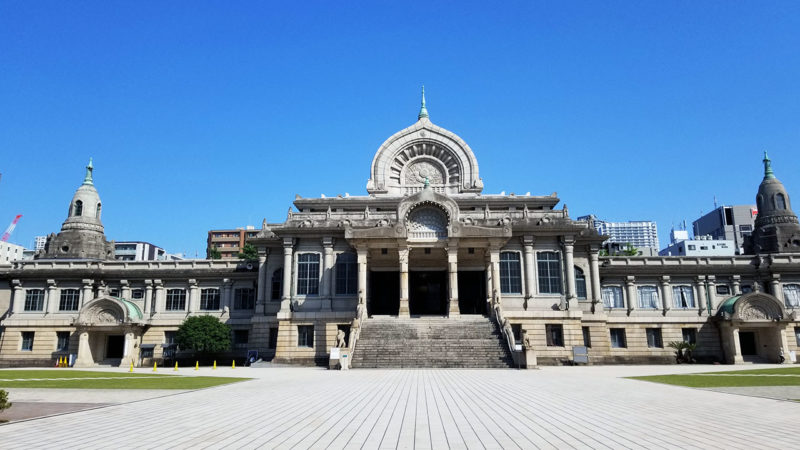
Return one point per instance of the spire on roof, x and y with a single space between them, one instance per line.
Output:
423 111
767 167
88 178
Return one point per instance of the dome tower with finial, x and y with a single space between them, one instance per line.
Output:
776 227
82 235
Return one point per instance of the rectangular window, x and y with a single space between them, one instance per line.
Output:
34 300
618 338
587 337
797 335
723 290
240 338
791 295
308 274
689 335
114 292
137 294
277 285
176 300
244 298
510 273
654 338
692 247
69 300
549 265
346 274
683 297
305 336
555 335
272 343
648 297
612 297
27 341
209 299
62 341
746 289
580 284
169 337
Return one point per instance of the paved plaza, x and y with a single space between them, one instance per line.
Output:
555 407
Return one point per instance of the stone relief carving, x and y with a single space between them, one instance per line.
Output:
754 313
417 172
340 339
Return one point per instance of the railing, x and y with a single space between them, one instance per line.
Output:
427 235
504 326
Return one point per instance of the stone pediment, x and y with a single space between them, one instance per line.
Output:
752 307
108 311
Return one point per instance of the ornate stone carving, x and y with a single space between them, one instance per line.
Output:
418 171
753 312
340 342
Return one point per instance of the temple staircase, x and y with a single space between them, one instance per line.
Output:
430 342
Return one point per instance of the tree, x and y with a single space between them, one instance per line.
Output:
249 252
213 253
204 334
4 403
630 250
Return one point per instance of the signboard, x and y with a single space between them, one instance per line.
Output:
335 353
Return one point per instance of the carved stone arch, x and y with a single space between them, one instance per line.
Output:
758 306
103 311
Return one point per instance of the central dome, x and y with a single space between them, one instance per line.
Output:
423 152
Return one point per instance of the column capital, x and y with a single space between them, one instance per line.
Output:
227 282
736 277
51 283
123 283
263 252
700 278
87 282
328 242
16 283
776 277
192 282
665 279
527 240
630 280
567 241
288 243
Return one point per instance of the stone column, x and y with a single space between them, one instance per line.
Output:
88 293
227 294
775 287
362 278
124 289
630 292
594 273
403 261
194 296
148 297
700 285
530 279
737 347
326 293
569 262
286 295
261 284
158 302
129 353
84 358
666 293
52 297
712 291
737 284
494 260
452 268
18 302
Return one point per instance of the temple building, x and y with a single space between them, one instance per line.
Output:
425 270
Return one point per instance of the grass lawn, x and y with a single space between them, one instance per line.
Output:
105 380
739 378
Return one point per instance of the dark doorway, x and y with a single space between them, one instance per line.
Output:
384 293
472 292
115 346
427 293
747 341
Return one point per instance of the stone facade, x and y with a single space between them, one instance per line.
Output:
424 241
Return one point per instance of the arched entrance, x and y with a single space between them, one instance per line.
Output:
753 328
108 330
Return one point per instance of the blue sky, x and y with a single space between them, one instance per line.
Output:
204 115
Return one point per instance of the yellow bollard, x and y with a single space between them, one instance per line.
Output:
215 365
154 366
176 366
233 366
62 362
197 365
131 369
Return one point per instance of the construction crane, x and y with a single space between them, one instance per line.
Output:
10 228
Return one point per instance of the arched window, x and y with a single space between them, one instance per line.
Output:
277 285
78 208
780 201
97 213
648 297
427 222
346 274
580 283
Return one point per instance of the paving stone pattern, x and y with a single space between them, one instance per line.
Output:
436 408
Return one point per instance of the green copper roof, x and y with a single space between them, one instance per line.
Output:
768 168
134 313
88 178
727 305
423 111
